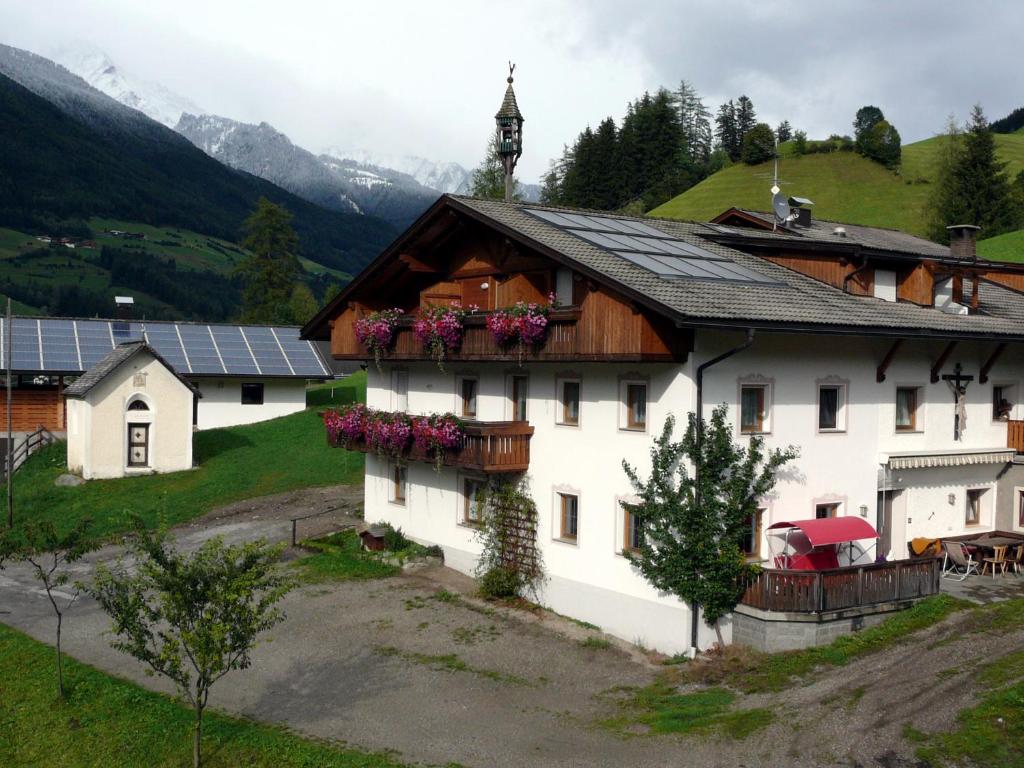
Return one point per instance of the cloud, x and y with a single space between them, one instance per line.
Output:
418 78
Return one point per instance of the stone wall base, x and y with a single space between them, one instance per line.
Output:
770 631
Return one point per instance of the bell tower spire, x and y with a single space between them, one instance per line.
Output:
509 121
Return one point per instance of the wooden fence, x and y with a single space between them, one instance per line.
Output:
22 450
838 588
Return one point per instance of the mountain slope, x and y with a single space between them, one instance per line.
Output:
71 152
843 185
266 152
96 68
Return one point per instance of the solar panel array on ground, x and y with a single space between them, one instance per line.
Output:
650 248
61 345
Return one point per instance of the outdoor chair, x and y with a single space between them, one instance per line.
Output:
995 563
1017 561
957 561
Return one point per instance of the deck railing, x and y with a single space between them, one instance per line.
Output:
839 588
478 343
1015 435
487 446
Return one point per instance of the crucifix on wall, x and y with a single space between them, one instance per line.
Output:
958 382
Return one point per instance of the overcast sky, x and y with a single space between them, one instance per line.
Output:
426 78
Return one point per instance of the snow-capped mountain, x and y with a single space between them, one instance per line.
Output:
341 185
96 68
440 176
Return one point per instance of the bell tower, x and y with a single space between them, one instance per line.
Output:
509 121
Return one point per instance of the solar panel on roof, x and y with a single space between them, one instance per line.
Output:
650 248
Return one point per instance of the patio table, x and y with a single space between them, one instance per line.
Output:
995 541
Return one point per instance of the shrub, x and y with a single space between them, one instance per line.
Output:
758 144
395 540
500 582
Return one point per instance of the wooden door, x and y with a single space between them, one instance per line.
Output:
138 445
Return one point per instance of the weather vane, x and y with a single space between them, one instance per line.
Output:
511 71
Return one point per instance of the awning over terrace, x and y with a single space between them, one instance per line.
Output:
831 530
954 458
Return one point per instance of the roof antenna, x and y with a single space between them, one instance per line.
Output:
780 203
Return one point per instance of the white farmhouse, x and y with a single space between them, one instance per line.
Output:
893 364
130 414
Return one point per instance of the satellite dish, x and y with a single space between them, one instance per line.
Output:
780 204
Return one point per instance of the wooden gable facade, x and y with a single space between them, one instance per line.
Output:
450 255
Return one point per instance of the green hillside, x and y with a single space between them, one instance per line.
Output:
843 185
172 273
1008 247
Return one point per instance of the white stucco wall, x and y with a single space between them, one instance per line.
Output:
589 580
98 446
221 404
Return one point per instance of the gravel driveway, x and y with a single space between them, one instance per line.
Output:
397 664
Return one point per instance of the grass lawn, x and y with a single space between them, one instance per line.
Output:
331 394
753 672
843 185
234 463
339 557
1006 247
112 723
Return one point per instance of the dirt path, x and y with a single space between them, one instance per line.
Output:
397 664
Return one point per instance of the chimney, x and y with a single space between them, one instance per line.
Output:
125 304
963 240
800 211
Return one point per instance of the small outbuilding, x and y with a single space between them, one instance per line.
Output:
131 413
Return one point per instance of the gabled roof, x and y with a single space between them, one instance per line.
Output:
122 354
792 301
822 231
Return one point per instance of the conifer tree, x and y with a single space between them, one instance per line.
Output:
272 269
746 117
973 187
488 179
726 130
694 122
784 132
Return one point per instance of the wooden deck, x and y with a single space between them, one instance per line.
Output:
490 447
840 588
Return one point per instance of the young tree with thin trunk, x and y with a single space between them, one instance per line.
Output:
50 553
693 521
192 617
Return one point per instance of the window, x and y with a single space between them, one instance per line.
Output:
400 390
831 408
137 405
467 394
570 517
636 406
752 408
633 530
1002 403
398 484
750 544
569 399
1020 509
972 515
519 393
829 509
471 488
906 409
252 393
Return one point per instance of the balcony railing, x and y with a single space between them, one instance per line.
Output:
1015 435
839 588
490 447
479 344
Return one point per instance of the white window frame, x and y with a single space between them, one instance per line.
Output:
462 520
986 503
768 386
919 411
400 399
841 411
624 385
458 409
510 405
556 515
392 498
560 383
1012 387
840 505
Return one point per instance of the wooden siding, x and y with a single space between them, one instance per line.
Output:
34 408
832 270
1015 435
916 285
1014 280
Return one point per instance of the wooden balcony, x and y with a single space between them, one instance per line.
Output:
598 332
841 588
490 447
1015 435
